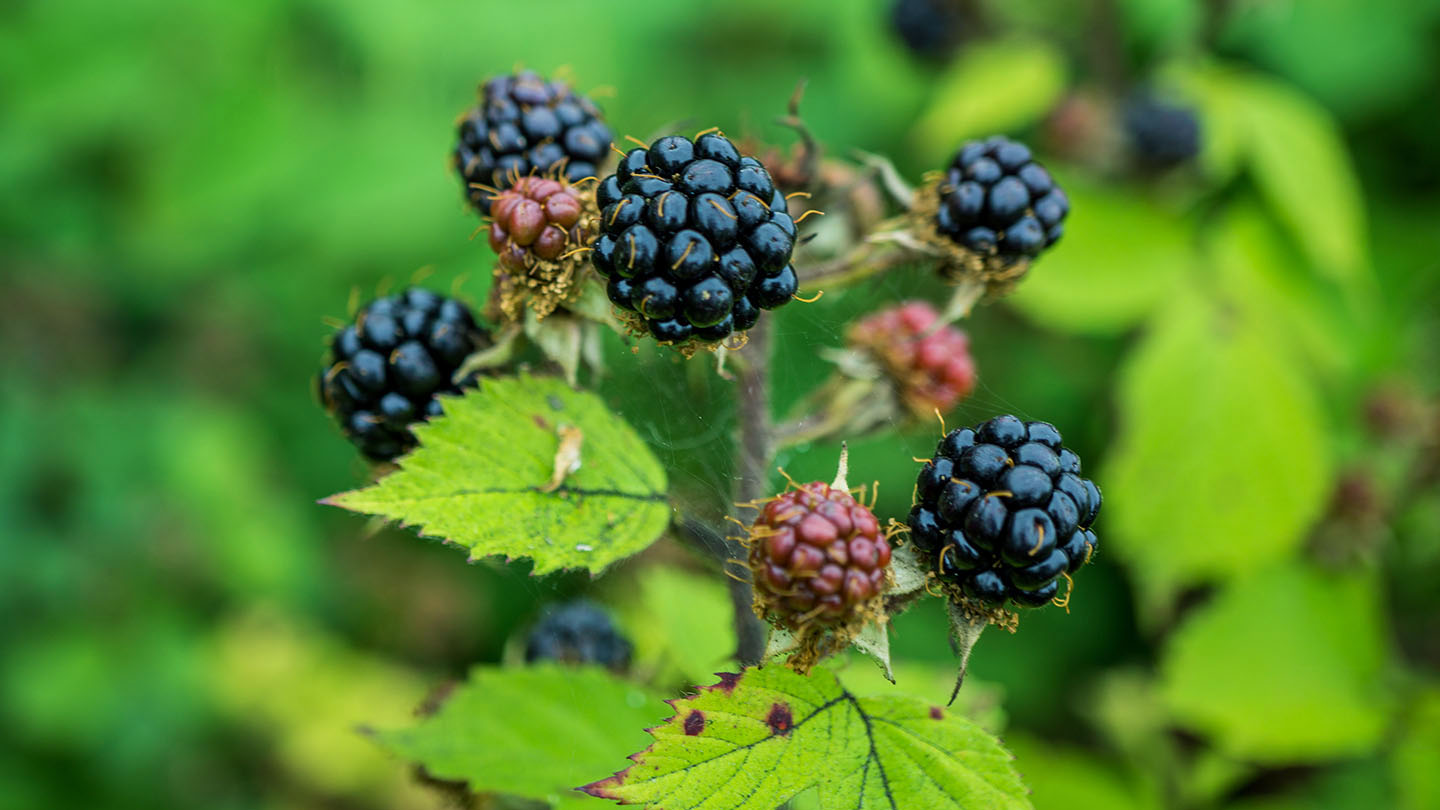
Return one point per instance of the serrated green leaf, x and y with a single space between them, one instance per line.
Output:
1283 666
534 732
479 478
758 739
994 87
1120 256
1213 417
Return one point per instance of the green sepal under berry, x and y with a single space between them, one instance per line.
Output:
757 739
527 467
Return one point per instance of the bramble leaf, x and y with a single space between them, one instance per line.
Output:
534 732
1213 416
1283 666
485 478
757 739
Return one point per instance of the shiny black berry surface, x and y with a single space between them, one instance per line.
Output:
1161 134
996 200
695 239
385 370
525 124
1000 515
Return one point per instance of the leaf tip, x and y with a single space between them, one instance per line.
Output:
604 789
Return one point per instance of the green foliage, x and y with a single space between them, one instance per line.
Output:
1212 417
1283 666
682 625
760 738
485 478
1122 254
535 732
995 87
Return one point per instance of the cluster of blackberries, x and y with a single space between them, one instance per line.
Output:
1161 134
996 200
386 369
694 238
817 556
526 125
578 632
1003 512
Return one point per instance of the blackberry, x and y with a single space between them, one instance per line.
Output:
537 227
526 125
817 556
1161 134
998 204
932 370
385 370
694 239
930 29
578 632
1002 513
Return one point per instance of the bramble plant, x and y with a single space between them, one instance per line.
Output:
685 241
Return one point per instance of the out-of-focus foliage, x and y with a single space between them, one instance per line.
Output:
1245 349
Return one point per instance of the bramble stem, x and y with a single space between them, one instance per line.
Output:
754 449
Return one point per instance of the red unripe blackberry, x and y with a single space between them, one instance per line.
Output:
537 219
931 369
818 557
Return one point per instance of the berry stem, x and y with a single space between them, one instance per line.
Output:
753 457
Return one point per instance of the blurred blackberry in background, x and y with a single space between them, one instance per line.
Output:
997 201
578 632
931 29
694 239
527 125
1002 512
385 370
1161 134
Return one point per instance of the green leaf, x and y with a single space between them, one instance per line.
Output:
994 87
681 623
479 478
1213 418
1072 779
758 739
1120 256
534 732
1416 759
1283 666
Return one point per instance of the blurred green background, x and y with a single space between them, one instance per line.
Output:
1242 349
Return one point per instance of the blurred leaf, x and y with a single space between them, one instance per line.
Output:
1214 420
1063 778
307 692
757 739
484 478
994 87
535 732
1416 758
1283 666
1121 254
682 624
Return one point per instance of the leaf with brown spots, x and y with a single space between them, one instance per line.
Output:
757 740
502 473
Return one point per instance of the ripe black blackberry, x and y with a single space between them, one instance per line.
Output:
695 239
526 125
385 370
578 632
1002 512
930 29
1161 134
996 201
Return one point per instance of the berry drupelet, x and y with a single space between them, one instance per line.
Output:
996 201
818 556
578 632
1003 513
538 228
930 368
527 125
694 240
385 370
